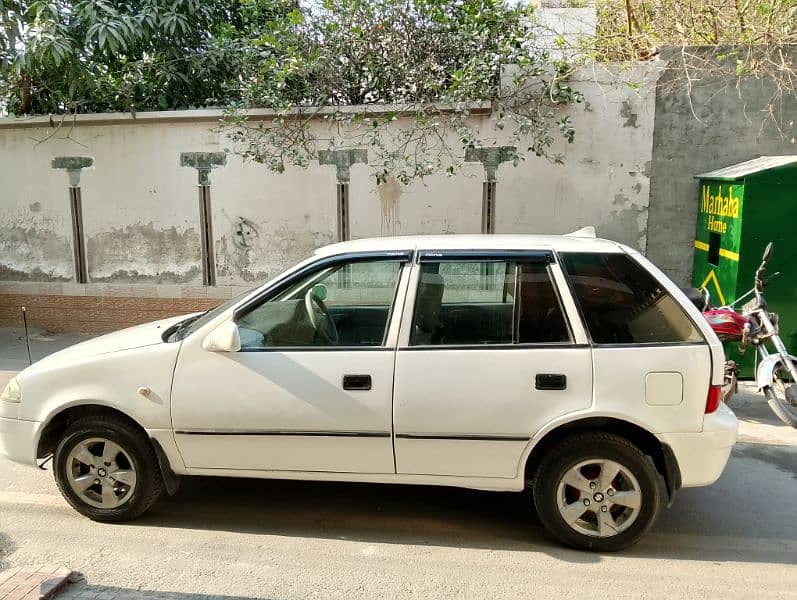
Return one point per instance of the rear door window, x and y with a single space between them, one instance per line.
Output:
624 304
486 302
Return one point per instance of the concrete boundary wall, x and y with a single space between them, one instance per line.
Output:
141 209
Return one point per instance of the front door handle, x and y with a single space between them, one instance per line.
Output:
550 381
357 382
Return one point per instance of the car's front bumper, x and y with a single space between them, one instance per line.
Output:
702 456
18 440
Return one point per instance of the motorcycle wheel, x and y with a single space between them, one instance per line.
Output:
782 395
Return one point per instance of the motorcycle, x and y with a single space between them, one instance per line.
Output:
755 325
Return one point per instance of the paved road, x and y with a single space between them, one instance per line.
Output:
320 540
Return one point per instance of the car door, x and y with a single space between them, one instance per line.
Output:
486 358
311 388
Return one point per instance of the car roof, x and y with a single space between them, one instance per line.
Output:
561 243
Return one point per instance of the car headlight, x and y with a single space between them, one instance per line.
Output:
12 393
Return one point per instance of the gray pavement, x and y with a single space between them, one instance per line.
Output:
237 538
13 350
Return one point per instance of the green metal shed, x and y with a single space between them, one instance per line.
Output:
740 209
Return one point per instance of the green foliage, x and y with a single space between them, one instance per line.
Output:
99 55
414 68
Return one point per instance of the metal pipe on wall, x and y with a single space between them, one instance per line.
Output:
74 165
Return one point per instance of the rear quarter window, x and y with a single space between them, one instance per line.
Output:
622 303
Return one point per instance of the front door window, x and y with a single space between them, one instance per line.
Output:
341 306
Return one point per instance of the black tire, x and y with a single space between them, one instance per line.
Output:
777 400
148 485
782 410
582 447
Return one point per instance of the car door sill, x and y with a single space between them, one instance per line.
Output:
470 482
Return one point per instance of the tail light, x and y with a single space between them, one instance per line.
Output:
713 398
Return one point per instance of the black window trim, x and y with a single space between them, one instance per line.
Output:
547 257
503 346
557 292
593 343
400 256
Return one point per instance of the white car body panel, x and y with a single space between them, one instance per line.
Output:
288 399
202 395
461 401
621 384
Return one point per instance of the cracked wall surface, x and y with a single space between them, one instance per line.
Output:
144 253
605 180
141 209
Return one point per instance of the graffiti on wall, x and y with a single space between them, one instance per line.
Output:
245 234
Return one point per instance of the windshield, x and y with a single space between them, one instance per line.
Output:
191 324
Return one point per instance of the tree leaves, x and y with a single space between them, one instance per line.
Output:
98 55
414 68
432 58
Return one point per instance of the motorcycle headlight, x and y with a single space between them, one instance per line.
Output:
12 393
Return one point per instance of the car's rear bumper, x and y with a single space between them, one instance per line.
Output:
17 440
702 456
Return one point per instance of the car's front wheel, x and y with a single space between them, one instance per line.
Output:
597 491
106 469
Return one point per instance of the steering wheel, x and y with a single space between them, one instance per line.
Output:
319 316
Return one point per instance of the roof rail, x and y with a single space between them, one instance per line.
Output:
584 232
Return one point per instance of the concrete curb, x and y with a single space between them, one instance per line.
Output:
39 582
57 583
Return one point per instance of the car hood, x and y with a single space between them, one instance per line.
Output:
148 334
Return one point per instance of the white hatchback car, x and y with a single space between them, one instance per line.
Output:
565 364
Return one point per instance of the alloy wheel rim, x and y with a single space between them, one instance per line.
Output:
599 498
101 473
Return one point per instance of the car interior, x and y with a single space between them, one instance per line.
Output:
471 305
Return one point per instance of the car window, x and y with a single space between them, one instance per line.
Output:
624 304
344 305
540 317
482 303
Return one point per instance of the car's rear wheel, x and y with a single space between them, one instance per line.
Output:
106 469
597 491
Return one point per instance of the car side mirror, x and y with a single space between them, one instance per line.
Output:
225 338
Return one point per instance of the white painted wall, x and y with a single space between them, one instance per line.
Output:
438 204
605 180
141 208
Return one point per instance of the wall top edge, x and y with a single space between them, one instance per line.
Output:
216 115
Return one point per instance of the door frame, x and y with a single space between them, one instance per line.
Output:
193 345
510 446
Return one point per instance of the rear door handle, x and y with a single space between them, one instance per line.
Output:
356 382
550 381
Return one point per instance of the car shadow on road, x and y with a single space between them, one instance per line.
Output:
746 516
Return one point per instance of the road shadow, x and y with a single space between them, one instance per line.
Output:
750 404
85 591
7 547
746 516
754 408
